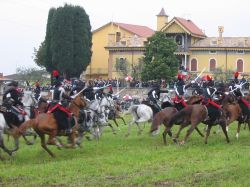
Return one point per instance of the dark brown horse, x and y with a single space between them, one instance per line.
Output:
115 113
164 116
194 115
232 108
45 123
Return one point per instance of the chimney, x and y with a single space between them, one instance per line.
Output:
220 30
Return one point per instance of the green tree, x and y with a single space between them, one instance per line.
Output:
122 66
68 41
160 61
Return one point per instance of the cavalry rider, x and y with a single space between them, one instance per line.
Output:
110 91
12 100
37 90
235 88
59 107
208 92
89 91
154 94
180 89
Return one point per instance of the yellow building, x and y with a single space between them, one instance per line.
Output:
196 51
116 42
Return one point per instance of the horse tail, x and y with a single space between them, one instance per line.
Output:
27 124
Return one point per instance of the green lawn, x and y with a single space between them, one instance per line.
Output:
134 161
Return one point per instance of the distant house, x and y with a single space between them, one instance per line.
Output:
196 51
113 42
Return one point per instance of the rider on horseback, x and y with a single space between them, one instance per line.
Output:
154 94
37 91
235 87
12 100
208 92
59 107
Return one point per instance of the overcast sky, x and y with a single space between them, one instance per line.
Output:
23 22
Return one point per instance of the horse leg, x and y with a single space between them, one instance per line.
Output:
238 130
113 130
2 144
129 128
177 134
123 120
164 134
189 131
29 133
44 146
139 129
224 129
208 132
116 122
199 132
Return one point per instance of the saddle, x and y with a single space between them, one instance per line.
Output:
13 115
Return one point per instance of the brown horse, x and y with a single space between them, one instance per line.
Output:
233 111
115 113
163 117
45 123
193 115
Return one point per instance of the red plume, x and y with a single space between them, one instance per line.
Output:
55 73
236 74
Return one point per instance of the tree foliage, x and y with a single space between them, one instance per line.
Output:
160 61
122 66
68 41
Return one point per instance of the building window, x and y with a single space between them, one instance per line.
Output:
212 52
118 37
240 52
193 64
240 65
179 39
212 64
213 42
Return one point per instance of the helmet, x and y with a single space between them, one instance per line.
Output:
209 78
55 73
179 76
236 74
13 83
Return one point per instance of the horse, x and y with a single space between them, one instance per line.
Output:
140 113
115 113
9 123
45 123
233 110
193 115
164 116
94 117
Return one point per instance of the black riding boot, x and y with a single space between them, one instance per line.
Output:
69 129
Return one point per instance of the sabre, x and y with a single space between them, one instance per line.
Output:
119 92
74 96
199 74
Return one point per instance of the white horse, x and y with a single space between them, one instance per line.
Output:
95 117
140 113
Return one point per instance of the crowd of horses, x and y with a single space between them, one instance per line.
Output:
90 117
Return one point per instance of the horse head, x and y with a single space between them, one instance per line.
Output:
79 101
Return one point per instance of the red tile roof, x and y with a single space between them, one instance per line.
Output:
190 26
139 30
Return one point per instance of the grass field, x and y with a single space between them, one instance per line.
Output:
134 161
